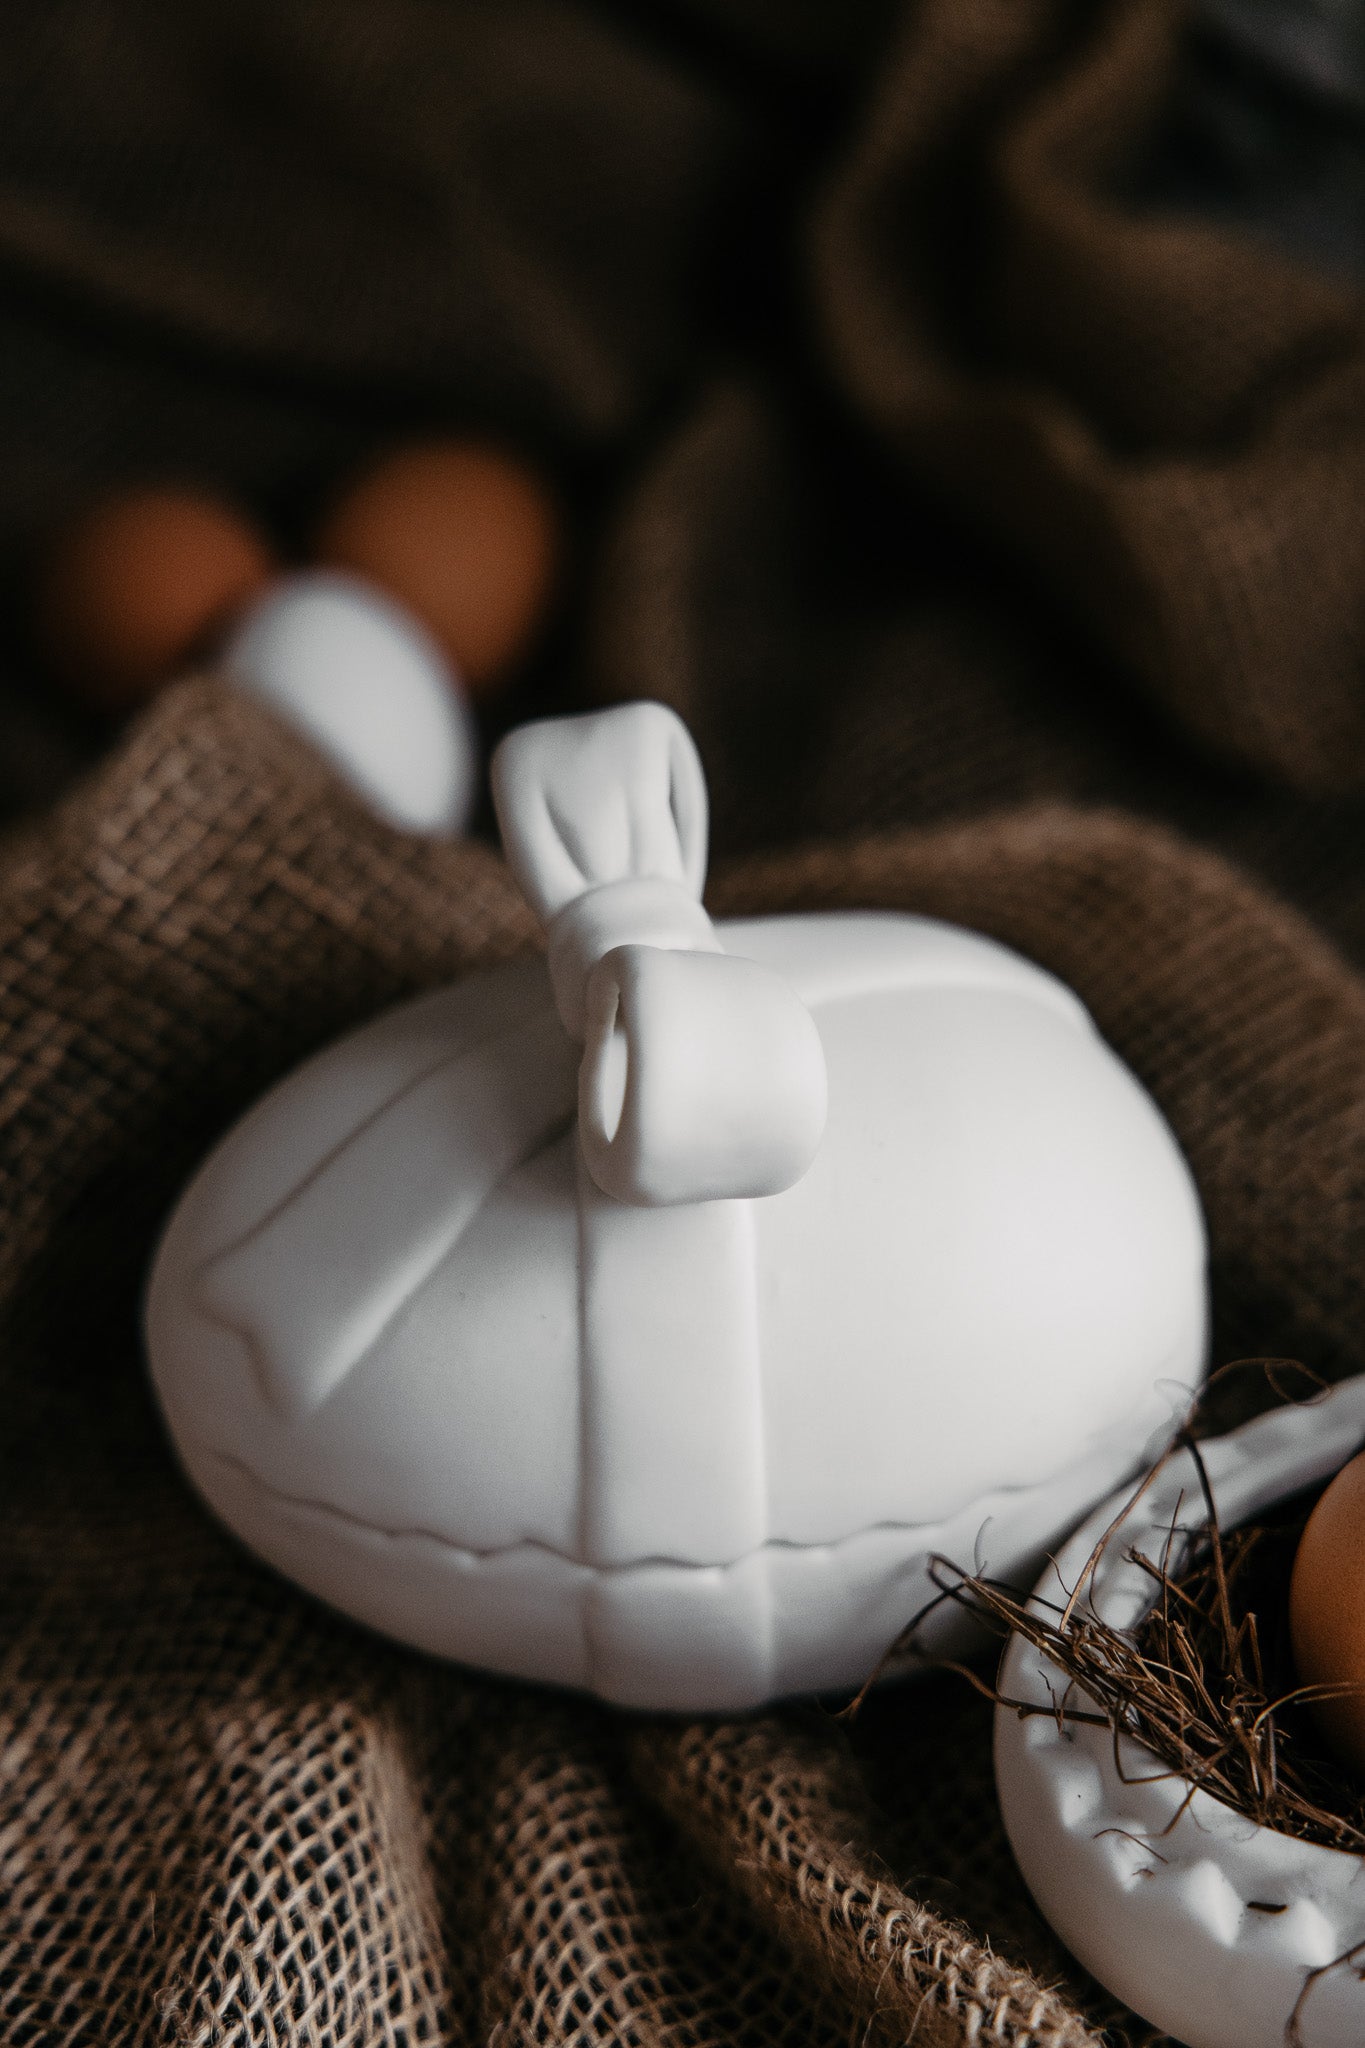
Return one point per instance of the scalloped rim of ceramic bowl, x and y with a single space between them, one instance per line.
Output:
1205 1923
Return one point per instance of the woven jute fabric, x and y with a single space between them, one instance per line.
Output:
1001 538
226 1816
1166 420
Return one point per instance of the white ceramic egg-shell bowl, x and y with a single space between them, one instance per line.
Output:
1205 1923
645 1317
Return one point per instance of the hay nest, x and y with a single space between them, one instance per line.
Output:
1206 1681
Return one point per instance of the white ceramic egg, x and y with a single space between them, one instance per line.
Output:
1218 1931
660 1364
368 684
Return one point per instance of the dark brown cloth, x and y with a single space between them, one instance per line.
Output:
1001 538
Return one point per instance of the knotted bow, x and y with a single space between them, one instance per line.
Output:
703 1075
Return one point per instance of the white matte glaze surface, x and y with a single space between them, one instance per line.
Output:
688 1457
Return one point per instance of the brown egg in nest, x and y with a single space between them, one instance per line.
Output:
133 588
1327 1611
463 534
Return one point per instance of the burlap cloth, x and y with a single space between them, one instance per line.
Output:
1004 543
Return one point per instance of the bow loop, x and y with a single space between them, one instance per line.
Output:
617 796
635 913
703 1075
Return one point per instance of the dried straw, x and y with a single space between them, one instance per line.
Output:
1206 1682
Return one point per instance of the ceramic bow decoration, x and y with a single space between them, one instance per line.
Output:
642 1317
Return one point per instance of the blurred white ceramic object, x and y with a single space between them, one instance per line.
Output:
1207 1925
644 1319
367 683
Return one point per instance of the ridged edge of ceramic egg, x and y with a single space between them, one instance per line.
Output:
1205 1923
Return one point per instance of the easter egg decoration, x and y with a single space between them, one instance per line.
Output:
1327 1612
644 1317
466 536
367 684
134 589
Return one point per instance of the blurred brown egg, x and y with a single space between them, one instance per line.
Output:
131 590
466 537
1327 1610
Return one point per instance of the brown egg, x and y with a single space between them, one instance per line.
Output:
131 590
1327 1610
466 537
